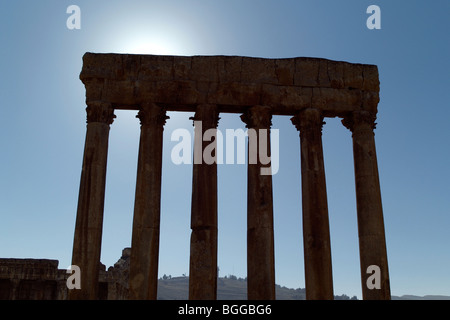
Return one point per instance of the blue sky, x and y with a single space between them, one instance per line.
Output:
42 131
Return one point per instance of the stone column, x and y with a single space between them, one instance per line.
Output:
89 221
203 255
316 230
146 221
260 234
372 242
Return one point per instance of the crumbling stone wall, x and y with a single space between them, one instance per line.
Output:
40 279
31 279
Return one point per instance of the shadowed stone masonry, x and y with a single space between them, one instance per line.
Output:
307 89
40 279
181 83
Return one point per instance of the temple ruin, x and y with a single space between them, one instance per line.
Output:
307 89
41 279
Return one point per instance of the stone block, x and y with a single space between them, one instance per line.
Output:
156 68
306 72
256 70
131 66
323 78
371 81
203 69
177 92
370 100
353 75
336 74
236 94
107 66
122 92
230 69
182 68
285 69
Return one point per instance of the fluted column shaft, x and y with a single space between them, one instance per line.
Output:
372 240
89 221
260 234
316 233
146 221
203 252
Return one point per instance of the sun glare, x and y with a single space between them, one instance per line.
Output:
148 48
148 45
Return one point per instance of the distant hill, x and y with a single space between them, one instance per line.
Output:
229 288
233 288
428 297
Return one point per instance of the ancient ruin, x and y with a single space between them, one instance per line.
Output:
41 279
307 89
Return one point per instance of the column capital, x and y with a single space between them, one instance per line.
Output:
360 118
100 111
308 119
257 117
208 114
152 114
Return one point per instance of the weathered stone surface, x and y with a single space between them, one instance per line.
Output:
231 82
31 269
89 221
316 231
40 279
260 233
31 279
203 250
146 219
371 234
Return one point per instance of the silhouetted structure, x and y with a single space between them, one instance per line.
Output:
307 89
